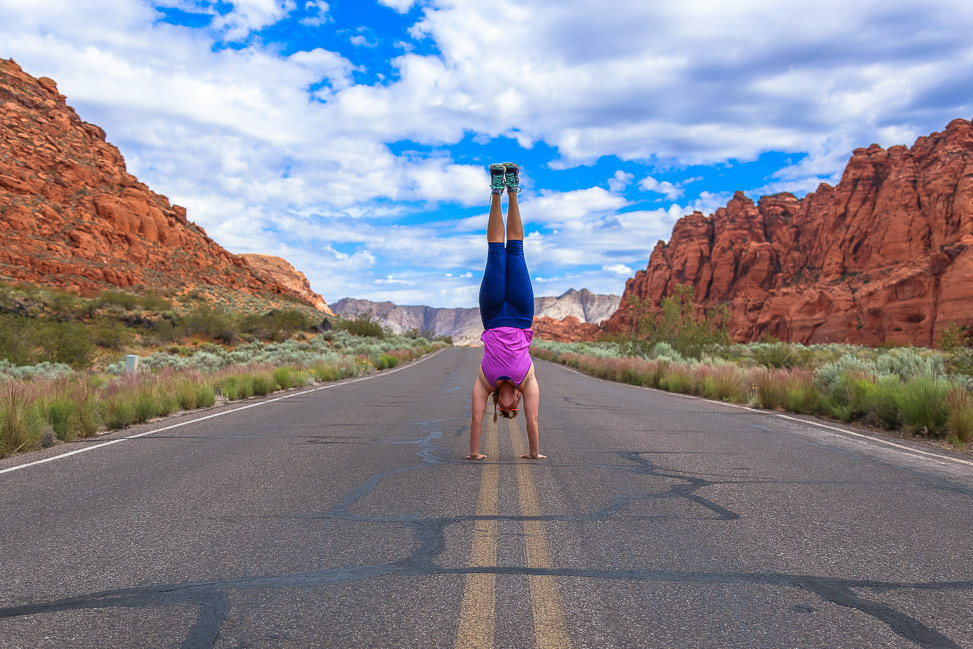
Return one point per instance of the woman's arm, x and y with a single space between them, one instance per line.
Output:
476 421
532 400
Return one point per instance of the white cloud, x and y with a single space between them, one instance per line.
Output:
666 188
248 16
620 269
620 181
317 13
401 6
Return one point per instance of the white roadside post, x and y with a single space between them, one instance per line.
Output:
131 364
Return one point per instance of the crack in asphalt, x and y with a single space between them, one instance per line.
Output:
212 598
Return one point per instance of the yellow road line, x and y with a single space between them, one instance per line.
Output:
550 629
476 617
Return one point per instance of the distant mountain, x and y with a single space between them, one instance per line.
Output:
464 324
72 217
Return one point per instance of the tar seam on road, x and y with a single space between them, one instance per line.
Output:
478 611
935 456
550 629
218 414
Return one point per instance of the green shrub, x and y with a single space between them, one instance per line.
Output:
263 383
730 385
111 334
61 412
679 379
286 377
803 398
277 325
959 418
361 324
386 361
882 404
155 302
324 372
237 386
922 403
145 406
205 395
781 355
22 423
771 389
207 321
121 299
118 410
656 372
185 393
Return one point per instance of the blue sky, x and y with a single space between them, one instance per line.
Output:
351 137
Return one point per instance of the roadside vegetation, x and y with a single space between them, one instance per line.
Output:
926 392
62 368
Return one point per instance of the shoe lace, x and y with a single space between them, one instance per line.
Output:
512 181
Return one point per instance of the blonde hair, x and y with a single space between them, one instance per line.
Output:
507 414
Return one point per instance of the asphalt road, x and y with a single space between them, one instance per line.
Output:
347 517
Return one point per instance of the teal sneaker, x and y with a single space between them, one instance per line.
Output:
512 177
496 178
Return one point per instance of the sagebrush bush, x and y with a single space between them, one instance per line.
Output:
781 355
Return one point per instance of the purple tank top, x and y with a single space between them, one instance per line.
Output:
506 354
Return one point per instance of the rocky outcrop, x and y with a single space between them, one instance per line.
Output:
72 217
567 330
279 270
886 256
581 307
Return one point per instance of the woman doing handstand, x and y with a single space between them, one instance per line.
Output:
507 310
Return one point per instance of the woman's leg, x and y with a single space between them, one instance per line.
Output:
495 224
515 227
493 288
519 293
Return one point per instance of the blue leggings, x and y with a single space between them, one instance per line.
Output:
506 296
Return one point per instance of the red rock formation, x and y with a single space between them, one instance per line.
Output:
276 269
568 330
886 256
71 217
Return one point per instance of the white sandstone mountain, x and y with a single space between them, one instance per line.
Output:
464 324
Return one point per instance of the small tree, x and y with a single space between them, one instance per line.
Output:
676 323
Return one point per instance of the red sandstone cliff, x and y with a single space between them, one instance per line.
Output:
71 217
276 269
566 330
887 255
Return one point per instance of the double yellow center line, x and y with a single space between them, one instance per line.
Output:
477 614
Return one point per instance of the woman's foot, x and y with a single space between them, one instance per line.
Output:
475 456
512 177
497 175
528 456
